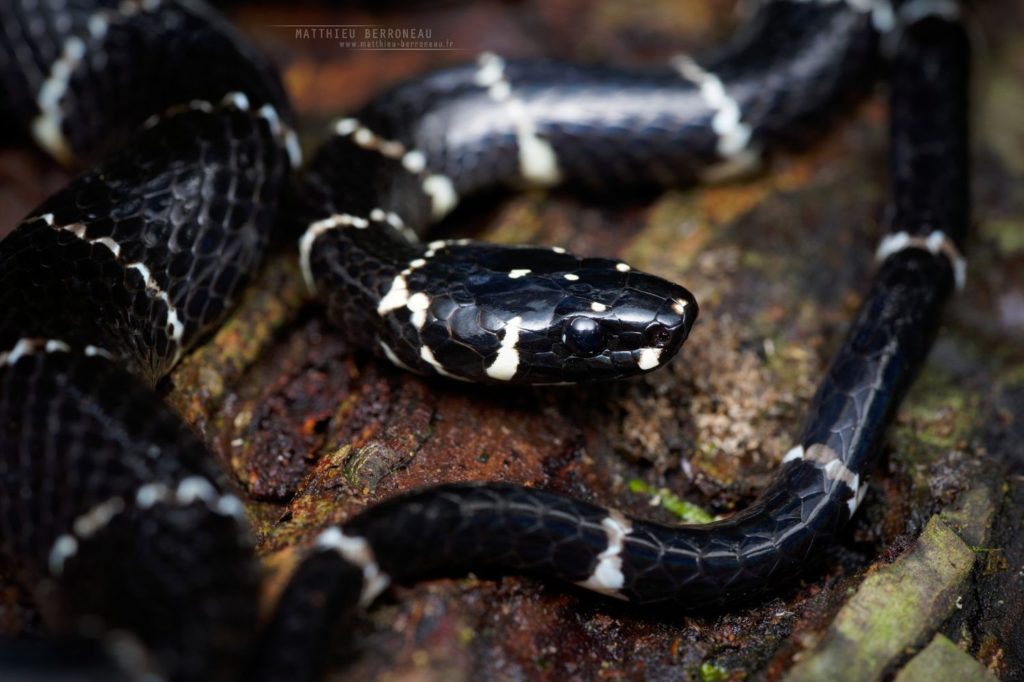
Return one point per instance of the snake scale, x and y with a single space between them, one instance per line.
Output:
116 514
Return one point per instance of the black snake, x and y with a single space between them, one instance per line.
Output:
116 512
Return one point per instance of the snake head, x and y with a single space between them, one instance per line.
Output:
527 315
596 319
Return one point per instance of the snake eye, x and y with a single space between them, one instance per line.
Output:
584 337
657 336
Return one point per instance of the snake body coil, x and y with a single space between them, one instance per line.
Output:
117 514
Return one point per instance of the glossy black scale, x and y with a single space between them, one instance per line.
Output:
792 67
132 65
116 514
160 206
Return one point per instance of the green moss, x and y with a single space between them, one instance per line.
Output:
1013 375
755 260
1008 235
785 361
893 610
942 660
937 415
686 511
712 672
1003 130
466 635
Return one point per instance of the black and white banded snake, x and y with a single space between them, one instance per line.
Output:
141 256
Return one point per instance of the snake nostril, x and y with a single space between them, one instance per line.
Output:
657 336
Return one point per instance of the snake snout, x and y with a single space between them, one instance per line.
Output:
654 317
620 322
